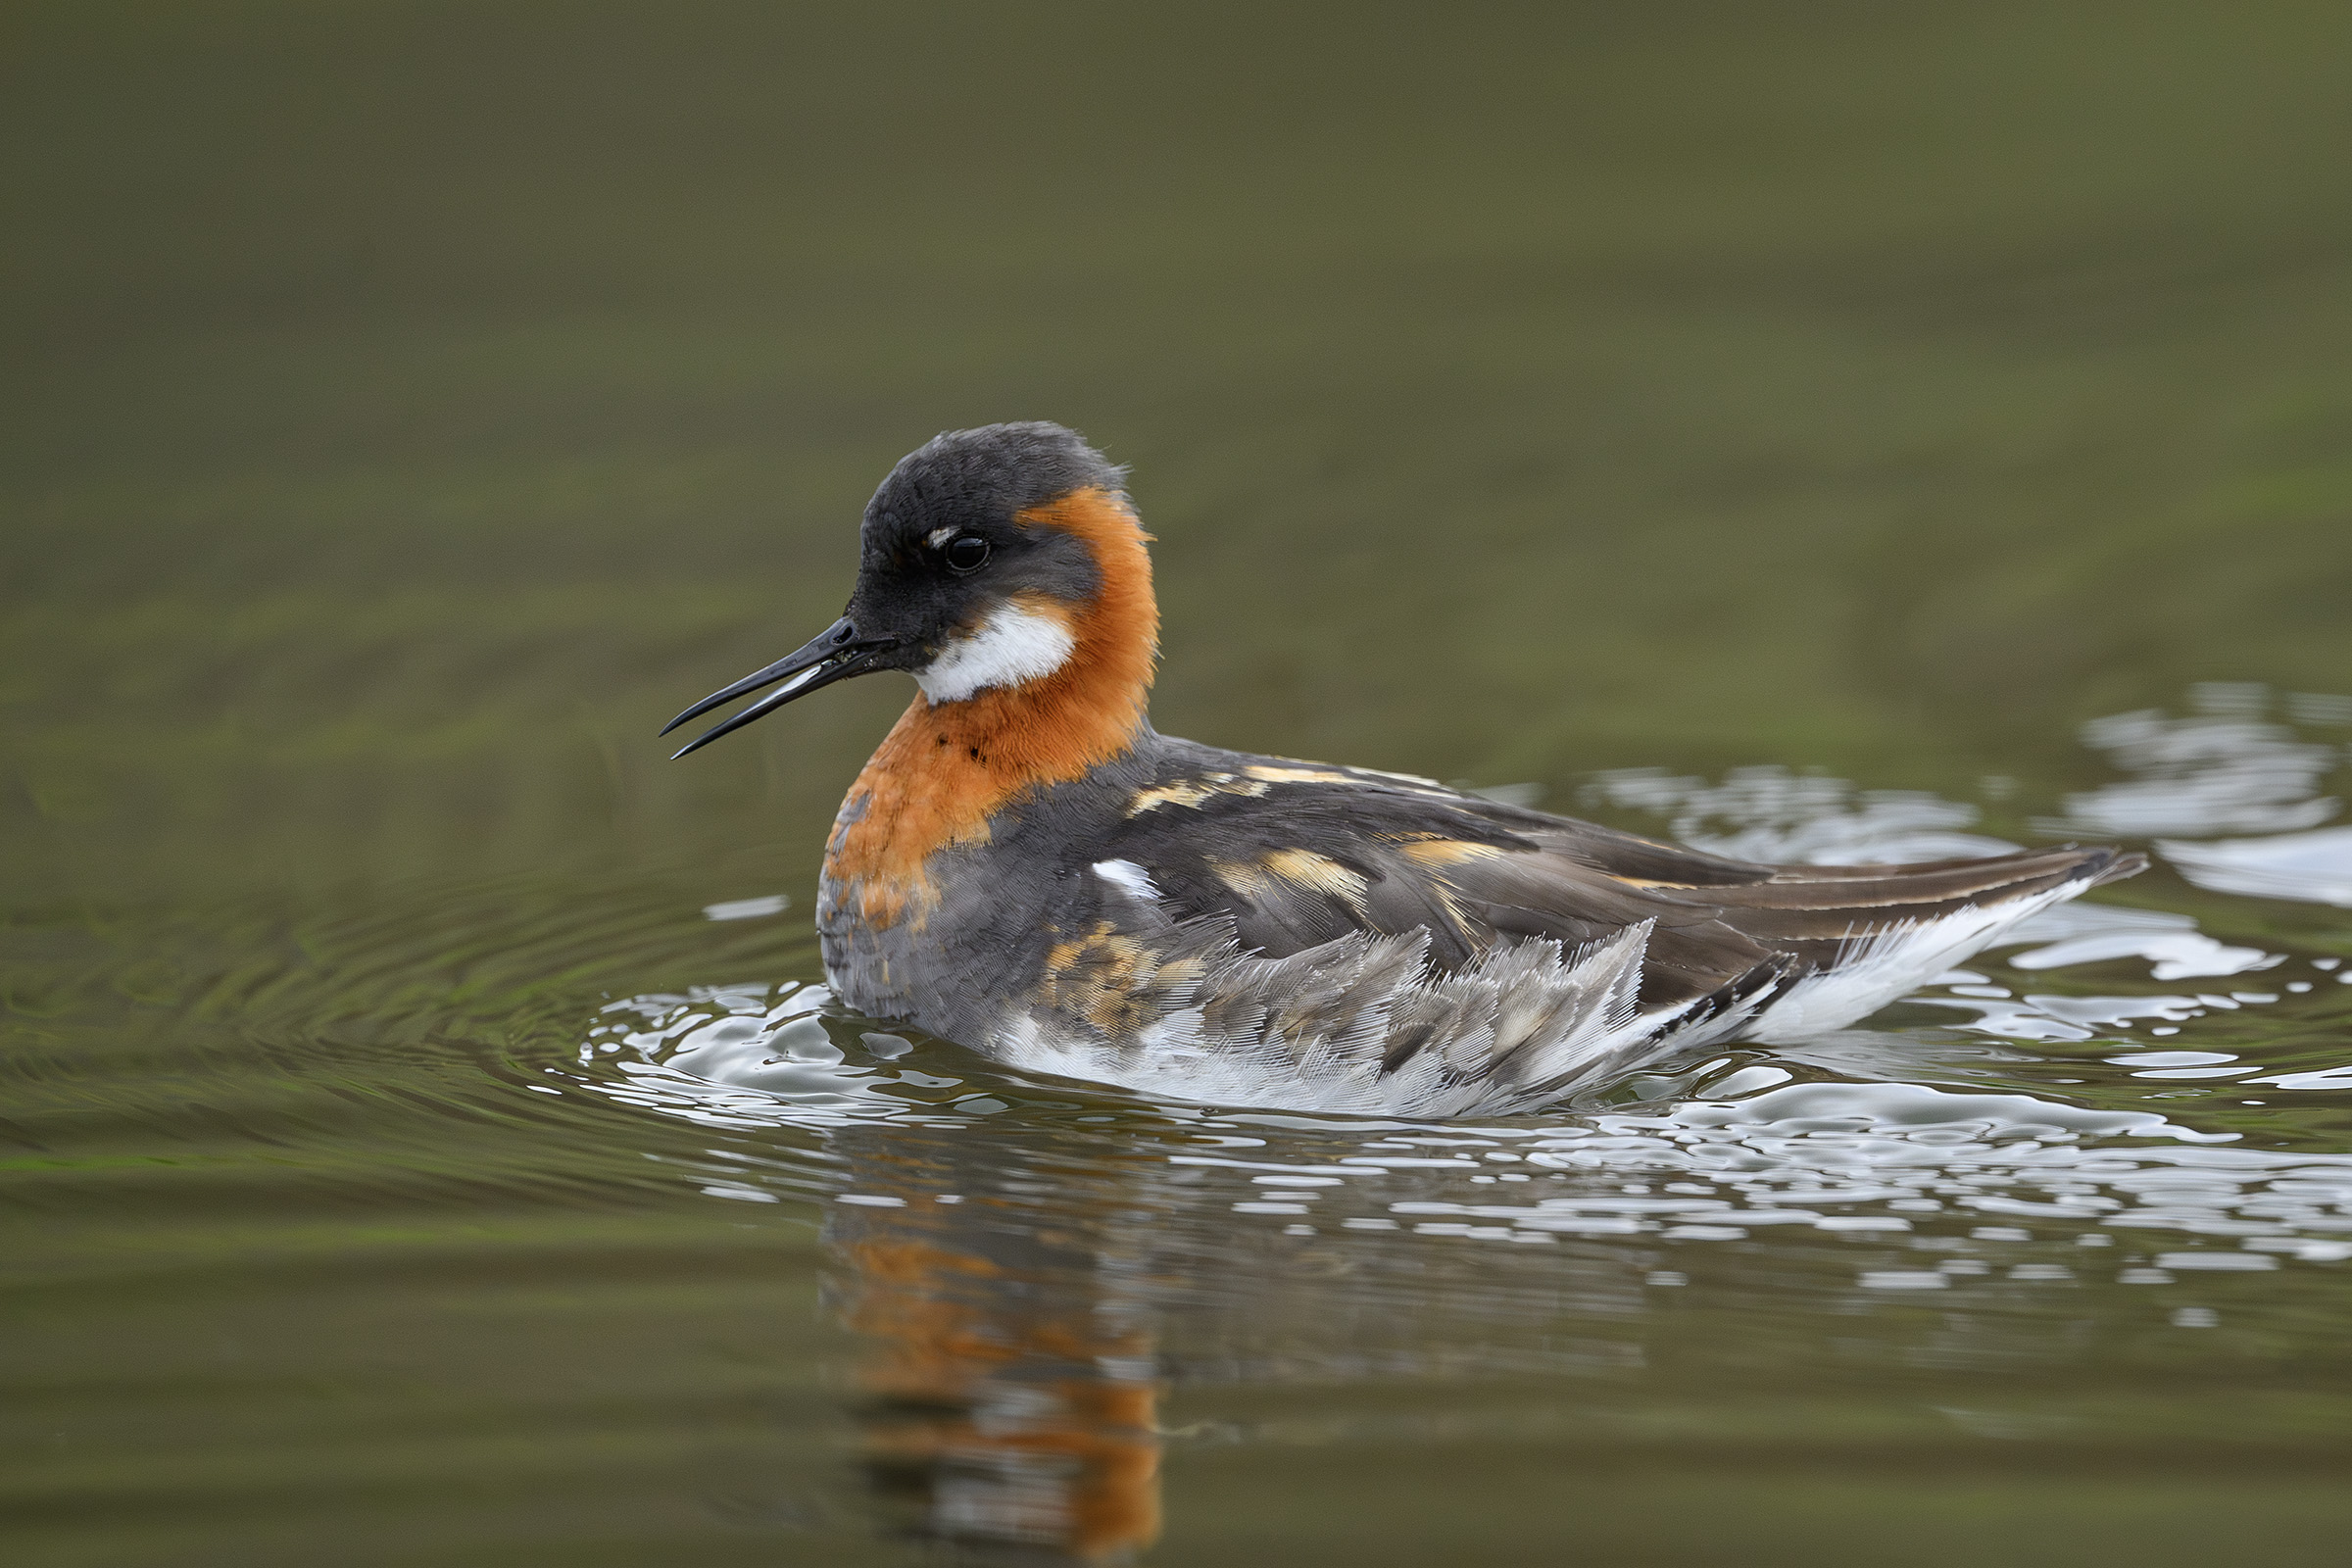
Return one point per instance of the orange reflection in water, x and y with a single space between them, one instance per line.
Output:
1013 1398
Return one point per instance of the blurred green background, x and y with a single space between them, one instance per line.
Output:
407 408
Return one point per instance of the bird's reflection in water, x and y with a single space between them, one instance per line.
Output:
1007 1372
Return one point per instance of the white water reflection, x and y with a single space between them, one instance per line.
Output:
755 1056
1770 813
2240 763
2313 867
1747 1152
2226 768
2095 932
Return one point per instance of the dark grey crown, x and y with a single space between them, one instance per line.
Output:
984 475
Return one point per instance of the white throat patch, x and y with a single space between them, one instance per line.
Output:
1013 645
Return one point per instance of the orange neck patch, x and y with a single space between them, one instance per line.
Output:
942 773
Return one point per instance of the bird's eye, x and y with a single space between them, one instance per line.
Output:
966 553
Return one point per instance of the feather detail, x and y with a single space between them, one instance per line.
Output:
1362 1024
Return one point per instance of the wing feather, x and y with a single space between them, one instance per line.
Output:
1304 856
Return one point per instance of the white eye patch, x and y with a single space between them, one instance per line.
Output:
1012 646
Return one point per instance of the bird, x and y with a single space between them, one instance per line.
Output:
1027 869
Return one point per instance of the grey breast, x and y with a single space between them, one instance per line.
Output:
1004 905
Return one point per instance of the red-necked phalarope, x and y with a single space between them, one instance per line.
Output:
1026 866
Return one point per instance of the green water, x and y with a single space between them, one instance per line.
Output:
1800 428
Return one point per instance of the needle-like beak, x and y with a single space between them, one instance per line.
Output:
834 653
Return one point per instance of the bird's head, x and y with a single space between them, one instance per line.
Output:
1005 559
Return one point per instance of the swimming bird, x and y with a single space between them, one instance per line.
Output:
1027 867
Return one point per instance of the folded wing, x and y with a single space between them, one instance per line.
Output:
1318 853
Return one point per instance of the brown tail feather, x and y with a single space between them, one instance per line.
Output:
1812 907
2121 864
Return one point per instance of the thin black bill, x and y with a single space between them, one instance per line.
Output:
834 653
